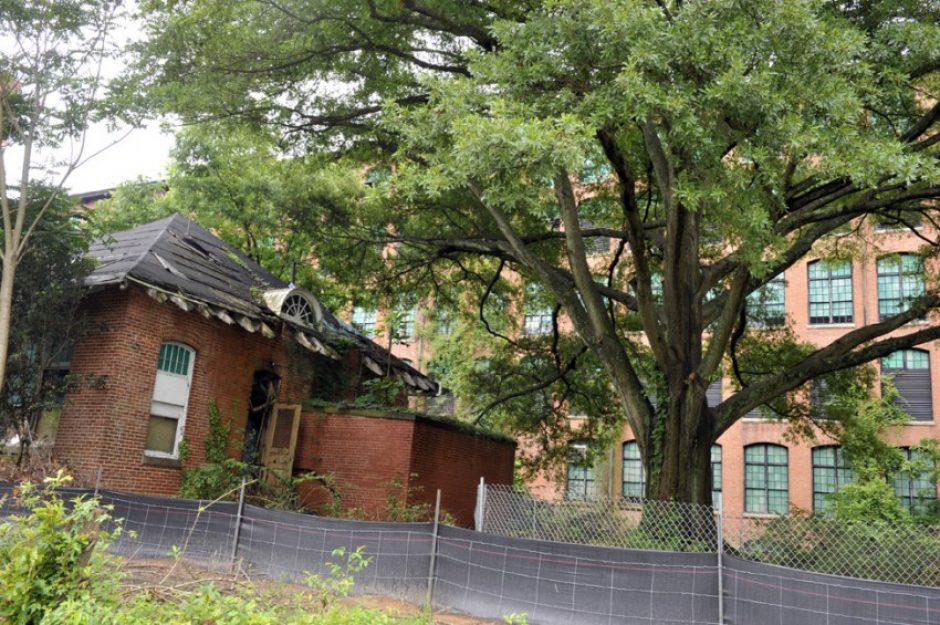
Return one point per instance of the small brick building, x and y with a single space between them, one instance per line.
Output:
186 322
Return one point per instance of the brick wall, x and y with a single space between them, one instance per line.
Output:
452 460
362 454
365 453
106 426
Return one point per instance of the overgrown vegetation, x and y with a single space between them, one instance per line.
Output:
52 562
46 298
220 475
54 571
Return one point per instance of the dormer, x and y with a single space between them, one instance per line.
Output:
294 304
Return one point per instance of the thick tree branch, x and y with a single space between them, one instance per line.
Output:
842 353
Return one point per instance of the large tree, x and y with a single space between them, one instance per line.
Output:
738 135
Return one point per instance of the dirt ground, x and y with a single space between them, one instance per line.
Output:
168 577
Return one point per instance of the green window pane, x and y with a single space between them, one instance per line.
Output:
917 359
174 359
766 479
634 477
716 475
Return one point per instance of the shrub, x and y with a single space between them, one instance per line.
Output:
53 568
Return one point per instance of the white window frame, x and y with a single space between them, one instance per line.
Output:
181 420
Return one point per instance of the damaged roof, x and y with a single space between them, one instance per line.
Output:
175 259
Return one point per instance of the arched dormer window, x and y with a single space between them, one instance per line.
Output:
298 308
294 305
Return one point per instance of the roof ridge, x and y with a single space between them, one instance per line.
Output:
149 248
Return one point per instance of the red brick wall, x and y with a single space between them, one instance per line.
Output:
365 454
362 454
454 461
107 427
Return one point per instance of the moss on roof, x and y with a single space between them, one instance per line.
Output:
407 415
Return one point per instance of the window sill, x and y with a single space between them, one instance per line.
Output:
762 515
154 461
823 326
930 423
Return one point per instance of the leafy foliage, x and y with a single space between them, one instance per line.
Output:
54 571
711 144
220 475
881 550
50 92
52 564
233 180
46 297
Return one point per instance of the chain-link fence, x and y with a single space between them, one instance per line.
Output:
902 553
624 523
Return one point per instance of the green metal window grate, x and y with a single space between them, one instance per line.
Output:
831 471
363 319
918 491
766 489
767 305
581 483
174 359
716 476
405 329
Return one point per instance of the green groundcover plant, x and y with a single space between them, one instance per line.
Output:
54 570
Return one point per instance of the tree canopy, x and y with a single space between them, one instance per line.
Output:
714 143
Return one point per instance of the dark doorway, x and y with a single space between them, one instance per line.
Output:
264 390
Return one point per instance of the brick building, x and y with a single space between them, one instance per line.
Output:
186 322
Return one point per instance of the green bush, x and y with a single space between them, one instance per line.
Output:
52 563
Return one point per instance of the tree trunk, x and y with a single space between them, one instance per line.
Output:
679 475
6 309
678 464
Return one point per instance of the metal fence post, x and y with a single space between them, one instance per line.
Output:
238 521
97 481
721 573
429 598
481 503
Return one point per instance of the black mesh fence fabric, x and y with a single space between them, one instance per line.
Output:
154 526
763 593
560 583
287 546
492 576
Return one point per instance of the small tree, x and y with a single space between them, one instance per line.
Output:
51 59
46 298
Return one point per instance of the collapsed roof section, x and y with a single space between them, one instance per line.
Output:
176 260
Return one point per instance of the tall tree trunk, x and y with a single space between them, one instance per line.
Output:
678 463
6 308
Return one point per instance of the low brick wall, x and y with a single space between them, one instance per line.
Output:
372 455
